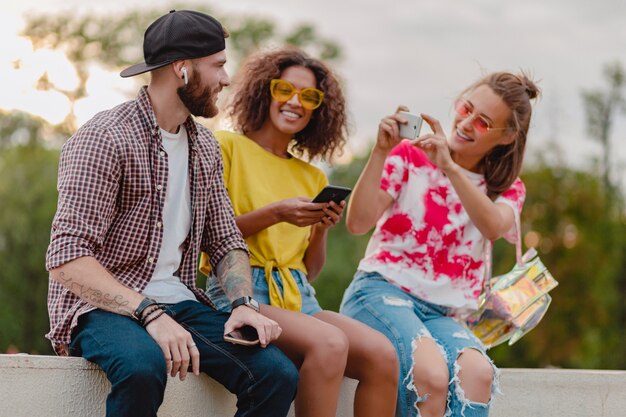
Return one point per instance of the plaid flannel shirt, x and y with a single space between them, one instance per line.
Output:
112 183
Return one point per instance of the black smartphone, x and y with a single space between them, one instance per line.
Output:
245 335
332 193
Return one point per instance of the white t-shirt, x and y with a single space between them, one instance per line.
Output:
425 242
165 285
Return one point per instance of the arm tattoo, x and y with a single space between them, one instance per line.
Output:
233 273
115 303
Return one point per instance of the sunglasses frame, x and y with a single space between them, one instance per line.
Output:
474 117
276 81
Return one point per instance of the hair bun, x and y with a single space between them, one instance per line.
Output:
531 88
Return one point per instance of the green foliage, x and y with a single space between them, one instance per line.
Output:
115 40
344 251
28 195
20 128
602 107
582 242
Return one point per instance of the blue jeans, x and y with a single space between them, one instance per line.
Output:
264 380
404 318
310 304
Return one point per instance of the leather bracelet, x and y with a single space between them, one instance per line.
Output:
156 316
138 313
148 311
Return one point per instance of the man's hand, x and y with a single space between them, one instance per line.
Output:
267 329
177 345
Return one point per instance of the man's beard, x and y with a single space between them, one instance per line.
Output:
198 100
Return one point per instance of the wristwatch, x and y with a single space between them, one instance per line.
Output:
246 301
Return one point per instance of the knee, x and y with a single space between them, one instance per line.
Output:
329 352
431 378
279 375
475 371
141 369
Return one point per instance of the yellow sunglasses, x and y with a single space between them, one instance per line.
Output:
309 98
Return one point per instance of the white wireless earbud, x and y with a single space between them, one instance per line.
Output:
184 70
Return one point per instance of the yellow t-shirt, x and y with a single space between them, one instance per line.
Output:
254 179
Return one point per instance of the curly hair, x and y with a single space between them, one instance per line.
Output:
502 165
324 135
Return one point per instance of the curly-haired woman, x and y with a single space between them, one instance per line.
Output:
287 106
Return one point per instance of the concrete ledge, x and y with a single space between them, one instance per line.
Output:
57 387
561 393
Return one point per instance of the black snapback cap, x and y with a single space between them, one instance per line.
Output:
182 34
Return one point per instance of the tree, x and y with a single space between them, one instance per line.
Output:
115 41
566 211
28 195
602 107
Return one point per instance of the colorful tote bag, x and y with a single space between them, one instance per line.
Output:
512 304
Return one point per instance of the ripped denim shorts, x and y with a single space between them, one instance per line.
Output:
404 318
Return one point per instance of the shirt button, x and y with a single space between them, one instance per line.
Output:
151 260
159 187
159 224
162 153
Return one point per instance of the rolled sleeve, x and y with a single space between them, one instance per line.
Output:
88 183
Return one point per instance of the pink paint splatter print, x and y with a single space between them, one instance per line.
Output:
425 242
397 225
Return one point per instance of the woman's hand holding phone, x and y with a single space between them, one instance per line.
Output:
332 215
324 210
388 134
299 211
334 196
393 128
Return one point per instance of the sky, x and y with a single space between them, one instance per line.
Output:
417 53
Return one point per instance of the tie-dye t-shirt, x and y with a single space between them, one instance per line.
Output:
425 242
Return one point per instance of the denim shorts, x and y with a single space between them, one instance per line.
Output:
310 305
403 318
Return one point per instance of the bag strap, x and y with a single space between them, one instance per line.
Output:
521 260
518 239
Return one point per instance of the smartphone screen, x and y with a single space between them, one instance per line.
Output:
245 335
